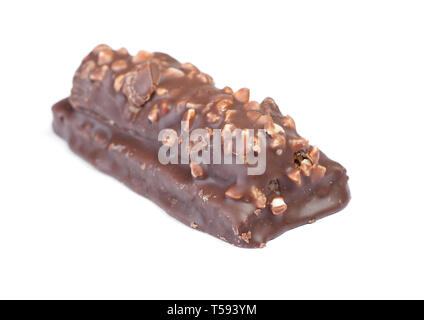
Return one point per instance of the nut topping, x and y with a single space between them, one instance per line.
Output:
305 167
212 117
119 65
253 115
246 236
278 206
174 73
105 57
317 173
193 225
314 154
242 95
294 175
252 105
99 73
288 122
298 143
258 197
227 90
234 192
189 67
122 51
101 47
188 119
117 84
153 115
141 56
229 114
86 68
161 91
224 105
196 170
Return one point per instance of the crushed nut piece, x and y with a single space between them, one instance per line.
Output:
288 122
212 117
305 167
294 175
205 78
188 117
253 115
193 225
278 142
101 47
246 236
234 192
252 105
227 90
314 155
86 68
123 51
262 245
119 65
317 173
196 170
153 115
224 105
242 95
279 152
99 73
105 57
278 206
141 56
117 84
161 91
174 72
257 212
258 196
229 115
193 105
189 67
164 107
298 143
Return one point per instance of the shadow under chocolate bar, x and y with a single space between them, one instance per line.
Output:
120 103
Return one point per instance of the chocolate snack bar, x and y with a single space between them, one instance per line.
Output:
118 107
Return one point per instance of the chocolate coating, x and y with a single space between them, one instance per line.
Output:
113 119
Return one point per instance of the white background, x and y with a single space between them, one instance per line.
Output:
351 73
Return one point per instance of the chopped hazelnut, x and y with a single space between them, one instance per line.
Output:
288 122
224 105
234 192
196 170
246 236
278 206
101 47
174 72
305 167
294 175
189 67
229 114
153 115
86 68
314 154
188 118
258 197
242 95
119 65
141 56
298 143
252 105
193 225
227 90
161 91
317 173
105 57
212 117
117 84
99 73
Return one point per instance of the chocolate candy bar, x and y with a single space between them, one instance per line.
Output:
121 105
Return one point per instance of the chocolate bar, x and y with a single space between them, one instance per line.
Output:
121 105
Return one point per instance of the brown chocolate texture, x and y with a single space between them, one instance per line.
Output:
117 107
